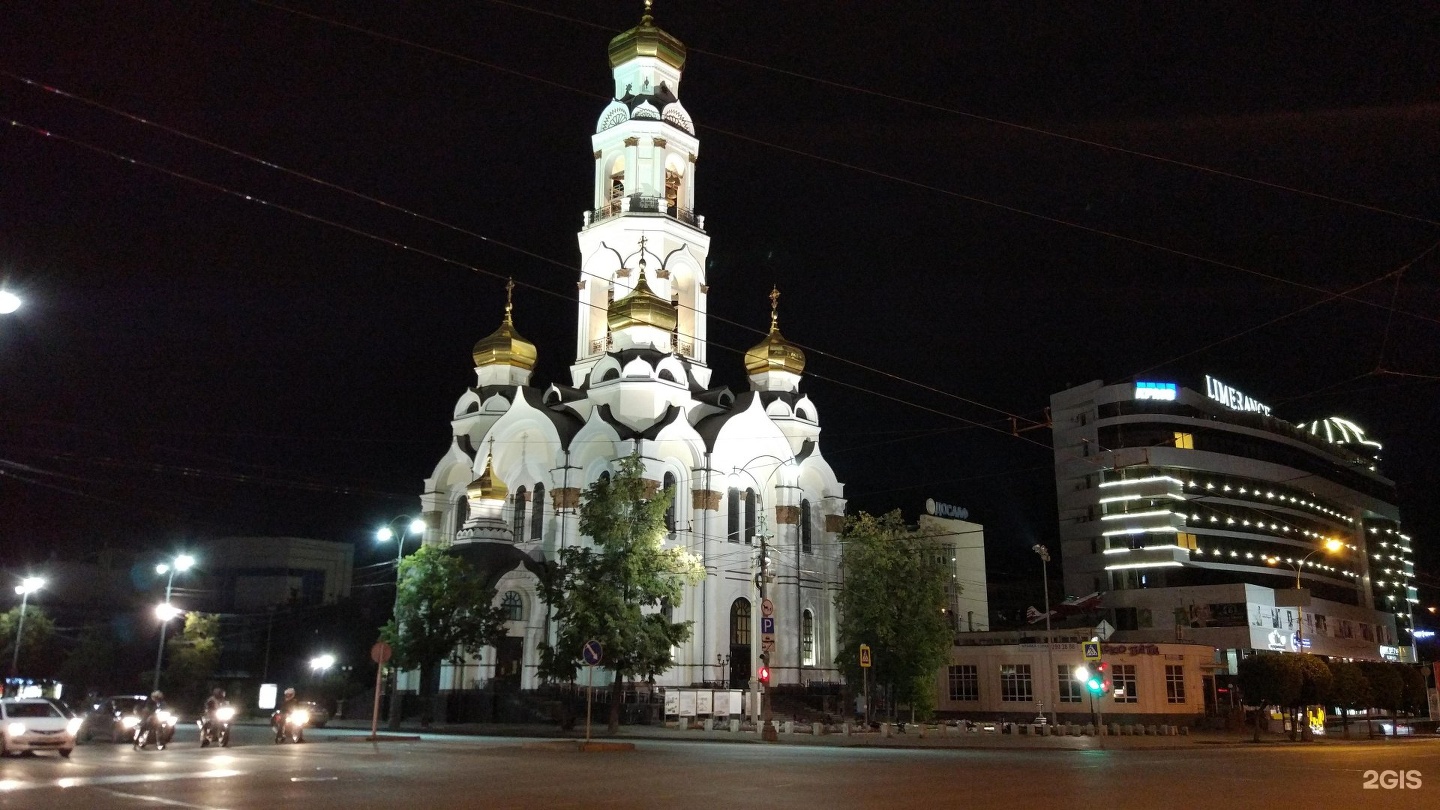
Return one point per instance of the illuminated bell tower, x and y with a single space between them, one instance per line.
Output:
643 204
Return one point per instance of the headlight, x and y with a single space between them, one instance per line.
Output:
225 713
15 729
73 727
300 717
129 721
165 717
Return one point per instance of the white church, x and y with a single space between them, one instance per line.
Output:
743 464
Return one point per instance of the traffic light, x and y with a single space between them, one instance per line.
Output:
1098 679
764 675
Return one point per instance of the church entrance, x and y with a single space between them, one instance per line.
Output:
740 643
509 655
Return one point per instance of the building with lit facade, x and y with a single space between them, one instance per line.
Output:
1204 516
743 464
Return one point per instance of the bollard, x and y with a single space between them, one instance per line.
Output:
1075 730
709 724
735 726
885 729
1184 731
815 729
789 727
845 729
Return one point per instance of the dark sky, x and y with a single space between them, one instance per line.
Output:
191 363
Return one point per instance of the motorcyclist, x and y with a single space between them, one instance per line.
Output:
212 705
148 711
288 704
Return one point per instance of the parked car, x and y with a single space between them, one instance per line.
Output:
36 724
319 715
114 717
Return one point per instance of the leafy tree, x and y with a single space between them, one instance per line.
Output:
1269 679
1387 689
91 664
1413 699
619 591
893 599
443 612
191 658
35 657
1349 690
1315 682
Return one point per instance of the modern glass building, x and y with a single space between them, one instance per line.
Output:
1165 486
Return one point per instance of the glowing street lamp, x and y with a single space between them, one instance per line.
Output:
167 611
9 302
320 663
387 533
26 587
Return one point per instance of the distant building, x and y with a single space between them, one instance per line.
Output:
1182 502
960 547
1011 676
253 573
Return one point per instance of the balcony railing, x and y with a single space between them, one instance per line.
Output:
641 204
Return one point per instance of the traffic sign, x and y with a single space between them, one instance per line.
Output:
1091 650
381 652
767 645
767 608
592 653
767 625
864 656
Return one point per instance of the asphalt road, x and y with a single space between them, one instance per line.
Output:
331 771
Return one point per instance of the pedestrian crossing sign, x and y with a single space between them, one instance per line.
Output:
1092 650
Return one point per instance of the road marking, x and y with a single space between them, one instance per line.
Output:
11 785
158 800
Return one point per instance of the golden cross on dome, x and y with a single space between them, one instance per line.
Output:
645 18
774 306
509 301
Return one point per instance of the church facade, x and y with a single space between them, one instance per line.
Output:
745 467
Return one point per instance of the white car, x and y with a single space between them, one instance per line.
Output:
36 724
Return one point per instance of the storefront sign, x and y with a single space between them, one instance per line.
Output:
1129 649
1233 398
945 510
1166 392
1215 614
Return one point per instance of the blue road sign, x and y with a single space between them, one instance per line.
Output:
1091 649
767 624
592 653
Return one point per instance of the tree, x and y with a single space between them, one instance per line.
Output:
91 665
1413 698
35 657
1269 679
1386 688
1349 690
893 599
1315 683
191 658
443 612
619 591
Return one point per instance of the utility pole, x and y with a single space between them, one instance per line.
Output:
1050 675
768 729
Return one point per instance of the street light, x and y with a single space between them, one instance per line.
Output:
167 611
320 663
9 302
1049 655
1329 546
26 587
384 535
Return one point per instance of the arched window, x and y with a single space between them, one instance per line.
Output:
462 513
750 500
807 639
669 485
807 538
732 515
537 512
672 191
605 476
514 606
740 622
517 516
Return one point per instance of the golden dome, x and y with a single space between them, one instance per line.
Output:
774 353
487 487
647 40
642 308
504 346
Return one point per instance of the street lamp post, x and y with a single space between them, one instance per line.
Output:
26 587
412 525
166 612
1049 655
1329 546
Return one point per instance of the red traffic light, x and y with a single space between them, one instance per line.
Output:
764 675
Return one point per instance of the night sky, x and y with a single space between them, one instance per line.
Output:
966 206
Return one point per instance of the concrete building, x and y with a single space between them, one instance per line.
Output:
239 574
745 466
960 547
1179 502
1012 676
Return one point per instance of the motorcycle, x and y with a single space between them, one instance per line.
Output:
290 725
217 729
159 729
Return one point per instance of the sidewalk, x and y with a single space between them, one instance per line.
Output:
956 740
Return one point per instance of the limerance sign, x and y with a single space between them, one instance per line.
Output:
1232 397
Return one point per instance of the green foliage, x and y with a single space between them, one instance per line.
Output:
1315 681
614 592
1387 689
191 657
91 664
1270 679
892 599
1348 690
443 612
35 652
1412 689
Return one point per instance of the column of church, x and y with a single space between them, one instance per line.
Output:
712 619
784 592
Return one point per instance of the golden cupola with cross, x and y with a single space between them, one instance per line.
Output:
504 357
775 364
